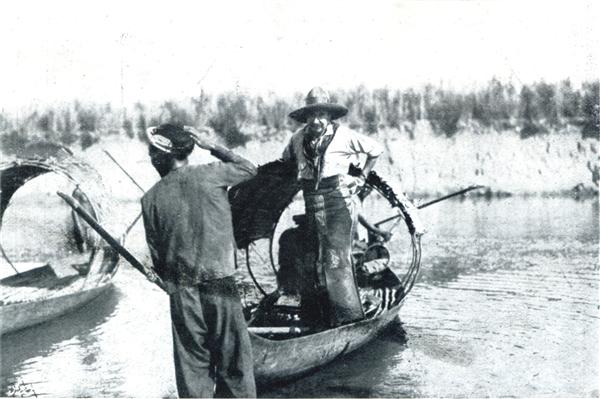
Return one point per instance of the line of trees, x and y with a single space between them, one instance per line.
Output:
531 110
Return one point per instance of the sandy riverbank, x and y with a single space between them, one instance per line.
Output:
428 165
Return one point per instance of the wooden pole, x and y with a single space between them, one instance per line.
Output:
121 250
124 171
139 216
435 201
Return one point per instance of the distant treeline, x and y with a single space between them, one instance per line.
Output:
530 109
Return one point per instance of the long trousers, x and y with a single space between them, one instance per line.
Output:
331 215
211 345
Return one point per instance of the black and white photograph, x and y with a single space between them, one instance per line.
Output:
298 199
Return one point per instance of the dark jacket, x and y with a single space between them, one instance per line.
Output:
188 223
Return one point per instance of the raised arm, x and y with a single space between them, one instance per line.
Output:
235 168
220 152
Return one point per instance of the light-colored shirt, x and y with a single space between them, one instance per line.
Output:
346 147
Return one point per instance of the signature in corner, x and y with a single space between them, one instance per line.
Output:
21 389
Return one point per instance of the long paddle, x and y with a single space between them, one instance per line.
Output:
435 201
150 275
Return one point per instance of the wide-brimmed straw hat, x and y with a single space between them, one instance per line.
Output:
318 100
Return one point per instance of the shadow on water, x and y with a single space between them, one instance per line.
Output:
442 269
43 339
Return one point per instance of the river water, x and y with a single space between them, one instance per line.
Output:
507 304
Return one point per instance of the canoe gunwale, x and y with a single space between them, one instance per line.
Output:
59 305
282 360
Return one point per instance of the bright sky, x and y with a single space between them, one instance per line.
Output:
142 51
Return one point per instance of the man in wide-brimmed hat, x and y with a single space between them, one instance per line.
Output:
323 148
323 151
189 231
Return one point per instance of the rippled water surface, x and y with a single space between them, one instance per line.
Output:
507 304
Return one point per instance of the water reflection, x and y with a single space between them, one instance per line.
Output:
74 335
356 375
506 305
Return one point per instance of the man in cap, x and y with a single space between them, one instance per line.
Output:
189 231
323 151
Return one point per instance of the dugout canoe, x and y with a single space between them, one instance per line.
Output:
279 358
277 361
55 282
257 206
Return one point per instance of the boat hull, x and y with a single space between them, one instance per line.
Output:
70 277
17 316
282 360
